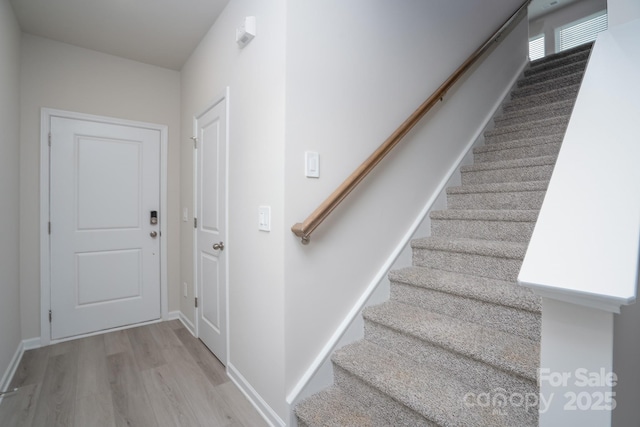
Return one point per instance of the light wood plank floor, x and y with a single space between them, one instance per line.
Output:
154 375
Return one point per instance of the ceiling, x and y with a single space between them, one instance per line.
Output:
157 32
537 8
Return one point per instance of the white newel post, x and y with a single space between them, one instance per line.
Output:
577 384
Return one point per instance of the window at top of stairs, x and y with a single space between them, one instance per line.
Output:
581 31
536 47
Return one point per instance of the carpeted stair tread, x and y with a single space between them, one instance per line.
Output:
577 53
510 164
493 291
515 170
522 195
502 187
435 395
554 95
534 113
489 248
518 152
334 408
491 302
558 124
504 351
486 258
519 143
551 73
511 151
548 85
486 215
504 224
551 126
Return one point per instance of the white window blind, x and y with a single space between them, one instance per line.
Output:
580 32
536 48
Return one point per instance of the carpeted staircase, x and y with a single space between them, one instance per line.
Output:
458 342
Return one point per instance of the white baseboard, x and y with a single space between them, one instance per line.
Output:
173 315
11 369
32 343
256 400
187 323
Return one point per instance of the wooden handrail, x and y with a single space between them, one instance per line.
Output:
304 229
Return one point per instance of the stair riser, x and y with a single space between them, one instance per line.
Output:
552 73
468 263
380 404
526 102
530 173
518 153
524 132
526 116
560 62
506 200
508 319
472 372
511 231
558 83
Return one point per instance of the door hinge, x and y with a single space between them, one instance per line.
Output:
195 142
195 222
49 139
50 316
49 227
196 302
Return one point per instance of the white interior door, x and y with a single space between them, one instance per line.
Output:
104 249
211 273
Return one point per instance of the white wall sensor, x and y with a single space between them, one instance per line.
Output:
246 32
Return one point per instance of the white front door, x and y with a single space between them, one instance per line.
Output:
211 273
104 247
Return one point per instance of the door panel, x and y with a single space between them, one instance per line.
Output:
210 128
210 280
105 265
108 197
98 281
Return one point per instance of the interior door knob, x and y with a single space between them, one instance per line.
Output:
153 234
218 246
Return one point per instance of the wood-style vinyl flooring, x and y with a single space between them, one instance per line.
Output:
153 375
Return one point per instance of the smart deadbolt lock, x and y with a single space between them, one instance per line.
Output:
154 217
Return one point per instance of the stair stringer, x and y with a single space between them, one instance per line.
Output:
319 375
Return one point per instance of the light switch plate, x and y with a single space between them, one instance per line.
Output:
264 218
311 164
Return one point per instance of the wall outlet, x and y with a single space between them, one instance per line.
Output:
184 289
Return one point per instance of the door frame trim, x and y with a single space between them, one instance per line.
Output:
223 97
45 268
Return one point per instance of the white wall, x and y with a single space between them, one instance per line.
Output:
65 77
355 71
255 76
547 24
626 345
9 186
623 11
626 354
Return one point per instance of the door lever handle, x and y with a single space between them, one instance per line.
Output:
218 246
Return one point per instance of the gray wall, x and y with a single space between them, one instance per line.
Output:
9 186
